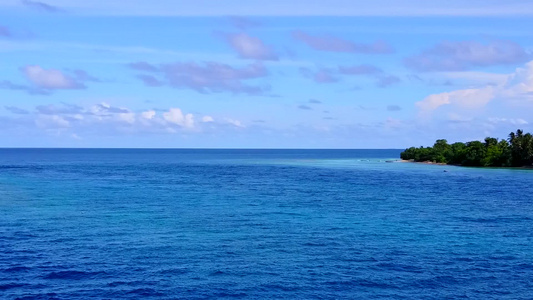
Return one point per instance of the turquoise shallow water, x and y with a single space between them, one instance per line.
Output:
270 224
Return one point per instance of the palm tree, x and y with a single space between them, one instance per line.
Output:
527 149
521 148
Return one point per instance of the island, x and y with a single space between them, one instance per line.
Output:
516 151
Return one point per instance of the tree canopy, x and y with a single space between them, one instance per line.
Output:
516 151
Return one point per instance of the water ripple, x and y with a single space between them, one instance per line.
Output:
184 224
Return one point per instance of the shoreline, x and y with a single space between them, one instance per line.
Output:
427 162
445 164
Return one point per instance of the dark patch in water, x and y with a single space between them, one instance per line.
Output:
12 285
73 275
17 269
217 273
144 292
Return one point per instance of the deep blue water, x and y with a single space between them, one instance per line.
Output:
260 224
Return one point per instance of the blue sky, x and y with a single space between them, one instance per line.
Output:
244 74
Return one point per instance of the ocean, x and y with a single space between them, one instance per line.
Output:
259 224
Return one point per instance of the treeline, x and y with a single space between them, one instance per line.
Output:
516 151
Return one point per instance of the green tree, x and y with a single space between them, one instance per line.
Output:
441 150
527 150
516 146
490 142
497 154
517 151
458 153
521 148
408 154
475 153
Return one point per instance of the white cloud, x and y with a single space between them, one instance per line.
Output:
103 124
106 118
149 114
518 87
235 123
250 47
51 121
105 109
520 84
468 98
176 116
517 121
207 119
50 78
126 117
433 102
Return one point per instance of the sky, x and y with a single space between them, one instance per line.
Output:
249 74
